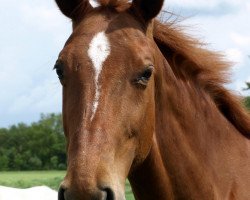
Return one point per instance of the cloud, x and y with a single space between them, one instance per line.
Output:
34 35
213 8
42 98
241 40
211 4
43 17
248 6
235 55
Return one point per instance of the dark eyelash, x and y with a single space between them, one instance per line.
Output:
59 69
145 76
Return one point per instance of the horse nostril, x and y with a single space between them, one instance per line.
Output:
106 194
61 193
109 194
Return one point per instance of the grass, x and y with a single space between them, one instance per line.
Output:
51 179
32 178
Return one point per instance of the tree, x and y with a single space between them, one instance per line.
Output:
248 86
247 102
40 145
4 160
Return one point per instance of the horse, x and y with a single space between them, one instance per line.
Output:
143 100
38 193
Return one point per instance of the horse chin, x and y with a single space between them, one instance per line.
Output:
120 196
114 192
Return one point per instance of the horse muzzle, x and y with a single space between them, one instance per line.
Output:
105 193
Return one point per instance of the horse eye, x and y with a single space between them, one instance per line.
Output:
145 76
147 73
59 69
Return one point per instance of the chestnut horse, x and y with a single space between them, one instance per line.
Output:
145 101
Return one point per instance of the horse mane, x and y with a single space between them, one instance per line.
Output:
190 60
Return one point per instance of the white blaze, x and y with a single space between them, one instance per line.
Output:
99 50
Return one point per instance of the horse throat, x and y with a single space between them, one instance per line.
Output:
151 171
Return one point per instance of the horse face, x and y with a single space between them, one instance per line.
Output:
107 69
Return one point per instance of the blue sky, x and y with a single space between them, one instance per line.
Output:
33 33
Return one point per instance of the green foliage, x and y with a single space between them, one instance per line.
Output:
35 162
248 86
40 145
4 162
247 102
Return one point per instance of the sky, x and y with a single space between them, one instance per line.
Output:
33 33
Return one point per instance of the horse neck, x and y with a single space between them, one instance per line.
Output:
150 180
186 160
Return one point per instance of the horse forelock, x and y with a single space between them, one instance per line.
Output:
111 3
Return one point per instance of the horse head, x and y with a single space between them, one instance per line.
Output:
108 69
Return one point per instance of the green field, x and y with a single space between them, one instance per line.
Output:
38 178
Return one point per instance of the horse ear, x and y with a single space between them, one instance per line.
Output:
148 9
74 9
